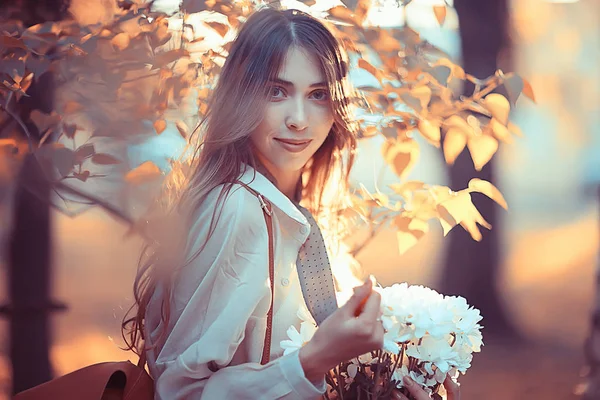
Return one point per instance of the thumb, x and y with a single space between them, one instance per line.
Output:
358 299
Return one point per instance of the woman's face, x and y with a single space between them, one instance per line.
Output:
298 116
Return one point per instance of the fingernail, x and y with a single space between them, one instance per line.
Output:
407 381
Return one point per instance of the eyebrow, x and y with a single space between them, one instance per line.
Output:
288 83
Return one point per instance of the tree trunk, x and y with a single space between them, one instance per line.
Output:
29 253
592 345
471 268
29 281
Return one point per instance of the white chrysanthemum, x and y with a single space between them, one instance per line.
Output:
298 339
439 352
399 375
304 314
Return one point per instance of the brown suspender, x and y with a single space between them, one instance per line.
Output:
268 212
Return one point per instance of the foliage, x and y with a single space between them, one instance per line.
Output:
127 79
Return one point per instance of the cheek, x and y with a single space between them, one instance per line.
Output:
325 122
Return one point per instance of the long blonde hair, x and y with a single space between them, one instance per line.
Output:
234 111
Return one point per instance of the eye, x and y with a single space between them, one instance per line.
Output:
276 92
320 95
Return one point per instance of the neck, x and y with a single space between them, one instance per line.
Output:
288 183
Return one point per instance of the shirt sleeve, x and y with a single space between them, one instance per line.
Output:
222 299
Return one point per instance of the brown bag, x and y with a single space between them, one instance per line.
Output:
122 380
105 381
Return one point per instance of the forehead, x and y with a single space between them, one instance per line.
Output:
301 68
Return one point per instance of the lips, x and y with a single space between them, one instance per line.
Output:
293 145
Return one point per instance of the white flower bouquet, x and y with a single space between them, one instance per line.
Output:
427 336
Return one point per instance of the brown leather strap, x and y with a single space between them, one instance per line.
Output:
142 361
268 212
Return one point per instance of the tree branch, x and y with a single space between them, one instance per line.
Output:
96 201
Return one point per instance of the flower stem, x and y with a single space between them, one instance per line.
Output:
340 382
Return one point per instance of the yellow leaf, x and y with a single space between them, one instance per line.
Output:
515 129
500 131
491 191
470 224
160 125
499 106
423 93
410 230
459 123
482 149
400 156
370 131
145 172
446 220
454 143
403 189
440 13
406 241
120 41
458 205
430 130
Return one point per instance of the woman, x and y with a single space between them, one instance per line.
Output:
277 125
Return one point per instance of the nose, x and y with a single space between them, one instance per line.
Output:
297 119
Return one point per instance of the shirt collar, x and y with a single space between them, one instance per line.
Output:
262 185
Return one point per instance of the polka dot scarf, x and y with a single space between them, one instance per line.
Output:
314 273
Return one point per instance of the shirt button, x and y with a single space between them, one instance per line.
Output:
304 230
285 281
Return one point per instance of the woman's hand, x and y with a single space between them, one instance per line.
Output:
352 330
452 388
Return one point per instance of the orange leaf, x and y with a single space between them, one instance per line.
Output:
145 172
120 41
160 125
400 156
528 90
221 29
387 42
423 93
440 13
182 128
362 63
343 14
71 107
104 159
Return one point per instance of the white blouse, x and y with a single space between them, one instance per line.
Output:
221 300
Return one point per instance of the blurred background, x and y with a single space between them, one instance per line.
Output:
534 276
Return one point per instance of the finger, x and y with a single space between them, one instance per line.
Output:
397 395
414 389
452 387
360 296
372 307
